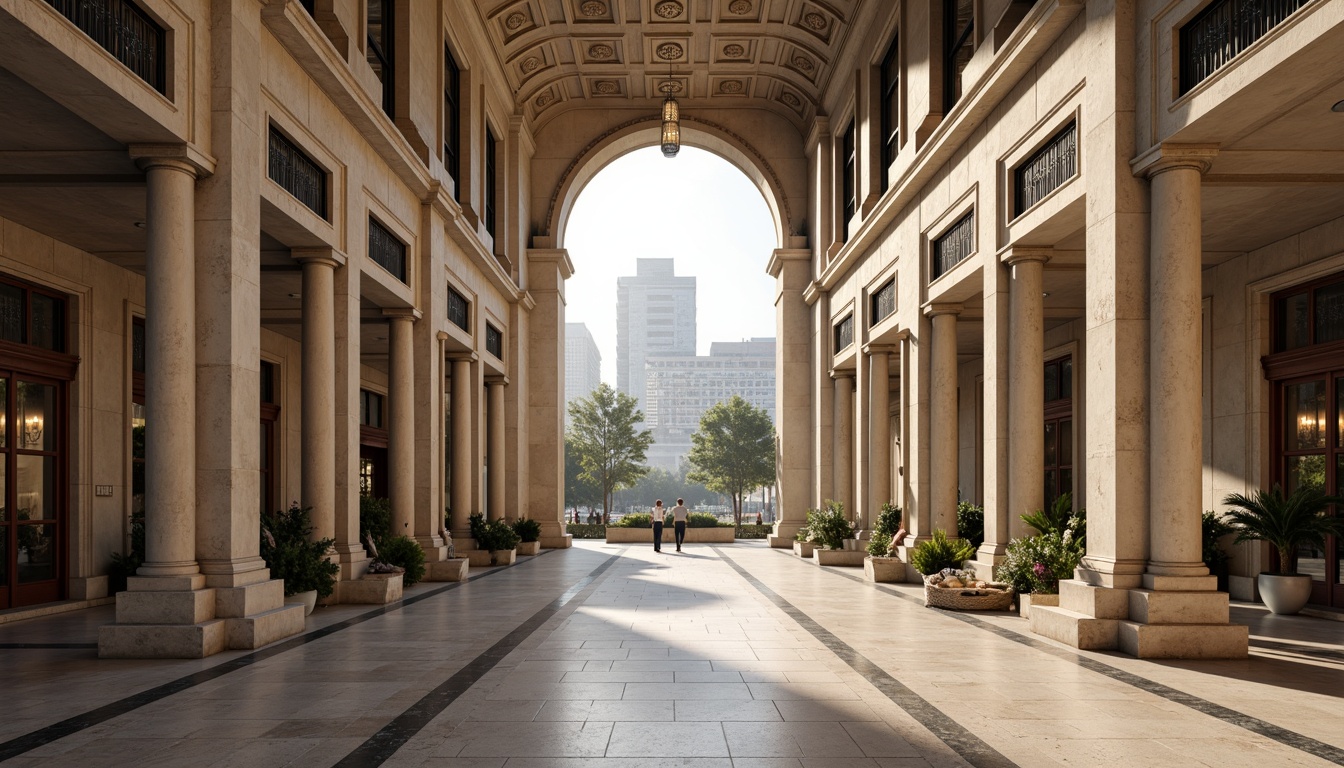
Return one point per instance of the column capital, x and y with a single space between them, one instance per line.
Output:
183 157
497 380
1015 254
842 373
1167 157
558 257
402 313
879 349
942 308
463 357
780 256
324 256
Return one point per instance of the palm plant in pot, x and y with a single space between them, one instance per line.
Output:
1285 522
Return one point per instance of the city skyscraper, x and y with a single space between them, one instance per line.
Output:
583 364
655 315
681 389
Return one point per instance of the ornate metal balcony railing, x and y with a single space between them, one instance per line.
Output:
386 250
494 341
1225 29
844 333
883 302
457 310
124 31
289 167
1045 171
954 245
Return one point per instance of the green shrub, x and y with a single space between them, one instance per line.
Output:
940 552
879 543
375 519
1214 527
586 530
499 536
636 520
971 523
476 525
888 520
753 531
527 529
125 565
1037 563
701 520
1059 518
405 552
828 527
302 564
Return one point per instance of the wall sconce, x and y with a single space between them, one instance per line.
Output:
32 430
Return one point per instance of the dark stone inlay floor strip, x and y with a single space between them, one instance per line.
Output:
56 731
383 744
26 646
1240 719
970 747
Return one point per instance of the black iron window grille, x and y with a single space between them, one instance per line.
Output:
1225 29
958 47
849 180
882 302
954 245
386 250
458 310
379 49
891 109
490 181
494 341
452 116
844 333
1044 172
297 173
124 31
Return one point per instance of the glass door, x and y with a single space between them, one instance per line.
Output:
1311 453
31 490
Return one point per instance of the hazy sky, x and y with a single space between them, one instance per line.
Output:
696 208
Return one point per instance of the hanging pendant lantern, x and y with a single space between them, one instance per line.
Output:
671 126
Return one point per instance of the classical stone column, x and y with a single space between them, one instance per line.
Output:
844 439
1175 387
791 269
460 492
943 419
548 269
879 435
401 418
1026 386
494 447
318 449
170 370
996 329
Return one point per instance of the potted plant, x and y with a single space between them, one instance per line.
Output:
125 565
939 552
829 529
802 541
1034 565
498 538
1285 523
294 558
529 535
883 563
1214 528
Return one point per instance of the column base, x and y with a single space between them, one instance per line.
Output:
354 562
562 541
180 618
786 532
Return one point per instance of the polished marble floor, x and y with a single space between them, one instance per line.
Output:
613 655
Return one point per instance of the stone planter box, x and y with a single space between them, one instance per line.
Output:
720 535
373 589
803 548
1024 602
529 547
452 569
481 558
887 570
850 558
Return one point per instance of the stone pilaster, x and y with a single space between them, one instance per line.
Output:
494 448
318 404
548 269
844 439
879 435
791 269
401 418
943 418
351 555
1026 385
460 453
998 511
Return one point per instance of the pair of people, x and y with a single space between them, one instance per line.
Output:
679 514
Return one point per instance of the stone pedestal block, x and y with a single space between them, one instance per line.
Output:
1025 602
803 548
254 631
529 547
480 558
785 534
883 569
239 602
1149 607
1097 602
562 541
1073 628
162 641
1184 641
453 569
373 589
842 557
192 607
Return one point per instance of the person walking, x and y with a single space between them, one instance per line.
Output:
658 512
679 515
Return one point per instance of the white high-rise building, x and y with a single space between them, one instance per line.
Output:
680 389
583 364
655 316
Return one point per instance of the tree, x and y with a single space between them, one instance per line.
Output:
579 490
611 452
734 450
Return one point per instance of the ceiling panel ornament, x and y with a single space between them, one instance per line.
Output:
772 54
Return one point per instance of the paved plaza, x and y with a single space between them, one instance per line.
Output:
613 655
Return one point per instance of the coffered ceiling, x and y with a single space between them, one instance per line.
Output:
566 54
